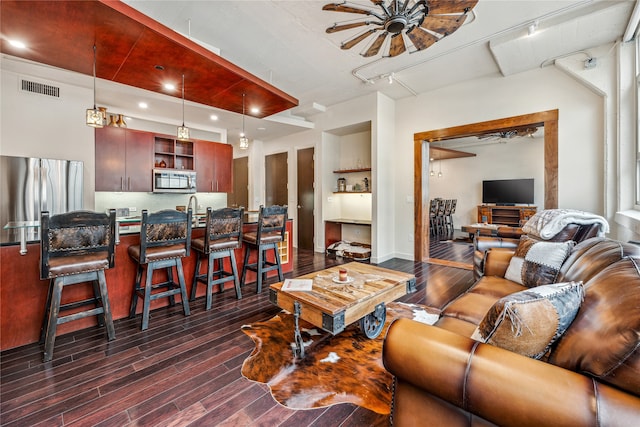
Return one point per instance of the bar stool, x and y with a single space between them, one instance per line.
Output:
76 247
222 236
164 241
272 223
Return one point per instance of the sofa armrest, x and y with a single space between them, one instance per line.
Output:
431 364
496 261
482 245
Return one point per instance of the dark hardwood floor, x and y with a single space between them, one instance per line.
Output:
182 370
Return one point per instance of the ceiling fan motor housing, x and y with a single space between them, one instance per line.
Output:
395 24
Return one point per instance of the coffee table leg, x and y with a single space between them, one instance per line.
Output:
298 351
372 324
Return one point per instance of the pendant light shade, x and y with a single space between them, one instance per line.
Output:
95 117
183 131
244 141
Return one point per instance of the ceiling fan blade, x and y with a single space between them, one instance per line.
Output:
450 6
335 28
420 38
443 24
340 7
397 45
355 40
375 47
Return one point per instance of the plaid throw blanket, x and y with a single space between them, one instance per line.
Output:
549 222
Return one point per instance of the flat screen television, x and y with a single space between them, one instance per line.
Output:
508 191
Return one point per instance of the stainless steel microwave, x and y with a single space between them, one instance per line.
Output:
174 181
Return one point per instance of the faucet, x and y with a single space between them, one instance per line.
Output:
191 198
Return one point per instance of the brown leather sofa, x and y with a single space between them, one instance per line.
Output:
590 376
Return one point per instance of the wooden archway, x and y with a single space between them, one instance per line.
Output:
548 119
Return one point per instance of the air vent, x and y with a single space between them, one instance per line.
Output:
40 88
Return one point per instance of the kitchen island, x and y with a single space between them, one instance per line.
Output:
23 294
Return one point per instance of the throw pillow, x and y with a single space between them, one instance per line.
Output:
529 322
537 262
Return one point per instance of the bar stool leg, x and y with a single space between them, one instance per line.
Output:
277 257
171 283
209 280
194 284
98 297
136 289
52 323
259 270
234 270
183 288
147 298
244 266
106 306
45 318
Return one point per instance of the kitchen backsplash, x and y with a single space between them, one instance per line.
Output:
155 202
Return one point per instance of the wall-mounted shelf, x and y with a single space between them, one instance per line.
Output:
352 170
352 192
175 154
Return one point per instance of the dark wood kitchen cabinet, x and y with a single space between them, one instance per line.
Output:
214 162
124 160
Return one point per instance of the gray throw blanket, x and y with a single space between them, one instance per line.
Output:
549 222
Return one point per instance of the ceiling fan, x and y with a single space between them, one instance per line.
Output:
420 23
510 133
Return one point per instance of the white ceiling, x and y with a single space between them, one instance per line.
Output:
285 44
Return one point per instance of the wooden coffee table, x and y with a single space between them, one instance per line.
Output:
333 306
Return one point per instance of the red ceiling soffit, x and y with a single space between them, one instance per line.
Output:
129 46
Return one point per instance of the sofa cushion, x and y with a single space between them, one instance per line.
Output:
536 262
530 321
604 339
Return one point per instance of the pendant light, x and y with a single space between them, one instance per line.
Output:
431 172
183 131
94 115
440 168
244 141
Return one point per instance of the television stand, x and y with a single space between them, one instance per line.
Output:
513 216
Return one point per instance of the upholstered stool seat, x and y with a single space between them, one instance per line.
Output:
272 222
164 241
75 247
222 237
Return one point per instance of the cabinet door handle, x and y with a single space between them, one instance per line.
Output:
212 186
129 183
121 183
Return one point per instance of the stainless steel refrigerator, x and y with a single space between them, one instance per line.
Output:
29 186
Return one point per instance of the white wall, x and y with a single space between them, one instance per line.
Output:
462 178
33 125
581 130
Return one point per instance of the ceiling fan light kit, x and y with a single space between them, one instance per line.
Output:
395 25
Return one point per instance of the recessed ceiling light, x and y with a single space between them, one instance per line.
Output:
159 67
214 117
261 128
18 44
169 86
255 110
143 105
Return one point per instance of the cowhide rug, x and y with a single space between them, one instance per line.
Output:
345 368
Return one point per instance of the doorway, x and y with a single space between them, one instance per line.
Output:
240 194
547 119
276 180
305 167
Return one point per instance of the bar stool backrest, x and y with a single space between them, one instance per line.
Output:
272 223
163 229
76 236
223 226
